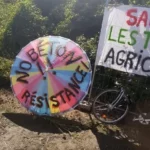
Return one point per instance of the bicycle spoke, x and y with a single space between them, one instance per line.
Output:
100 103
119 109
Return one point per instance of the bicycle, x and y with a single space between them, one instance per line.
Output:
112 105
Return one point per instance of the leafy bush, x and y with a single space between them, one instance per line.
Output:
24 20
21 24
5 67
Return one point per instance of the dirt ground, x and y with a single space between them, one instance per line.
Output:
75 130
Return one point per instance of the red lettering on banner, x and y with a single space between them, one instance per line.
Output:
133 18
130 13
143 18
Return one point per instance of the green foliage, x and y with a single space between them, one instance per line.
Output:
62 27
5 67
89 45
24 20
22 23
27 20
6 16
88 18
140 2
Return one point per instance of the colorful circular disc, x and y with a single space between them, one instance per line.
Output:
51 75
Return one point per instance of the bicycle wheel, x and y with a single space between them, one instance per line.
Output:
104 111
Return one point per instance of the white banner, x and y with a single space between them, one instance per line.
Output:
125 40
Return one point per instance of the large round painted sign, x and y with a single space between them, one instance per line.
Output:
51 75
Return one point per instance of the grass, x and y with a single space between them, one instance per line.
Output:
5 66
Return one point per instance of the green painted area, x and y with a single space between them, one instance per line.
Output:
133 39
147 33
134 35
121 38
110 35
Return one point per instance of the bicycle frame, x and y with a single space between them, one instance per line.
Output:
117 100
